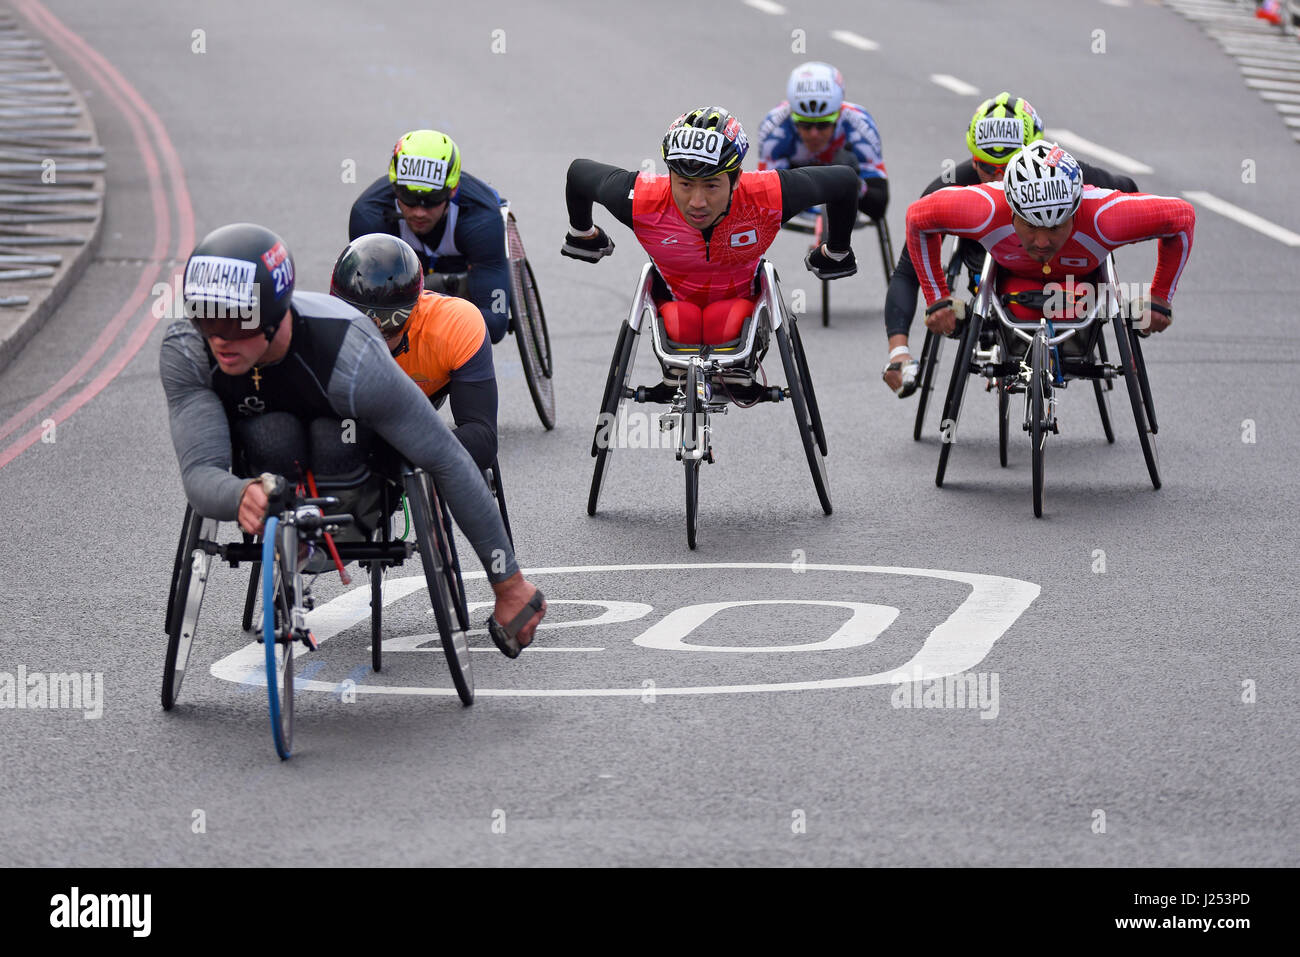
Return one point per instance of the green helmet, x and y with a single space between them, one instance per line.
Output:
1001 127
425 168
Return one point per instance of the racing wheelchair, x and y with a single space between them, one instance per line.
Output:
1039 356
813 221
296 521
527 320
701 381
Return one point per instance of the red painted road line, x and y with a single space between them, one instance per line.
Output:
111 81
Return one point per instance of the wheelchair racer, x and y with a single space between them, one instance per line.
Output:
999 128
439 341
285 372
452 221
1042 223
814 126
706 225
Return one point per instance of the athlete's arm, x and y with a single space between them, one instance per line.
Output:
1135 217
961 210
1105 179
473 392
590 182
775 145
373 212
200 431
370 387
836 186
482 238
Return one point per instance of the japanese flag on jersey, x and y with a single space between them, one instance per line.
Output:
745 238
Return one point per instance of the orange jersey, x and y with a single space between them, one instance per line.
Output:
444 333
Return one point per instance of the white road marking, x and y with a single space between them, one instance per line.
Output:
1257 223
766 6
1264 74
670 634
949 82
854 40
1077 144
1278 96
955 646
1116 3
1288 86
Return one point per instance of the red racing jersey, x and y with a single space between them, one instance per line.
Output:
722 267
1106 219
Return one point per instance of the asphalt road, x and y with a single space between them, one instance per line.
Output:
1145 696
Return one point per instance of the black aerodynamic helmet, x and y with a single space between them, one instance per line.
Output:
241 273
380 275
704 142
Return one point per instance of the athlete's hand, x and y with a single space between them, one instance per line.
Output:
824 266
252 508
943 321
1153 319
588 248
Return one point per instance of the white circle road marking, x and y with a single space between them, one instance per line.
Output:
954 646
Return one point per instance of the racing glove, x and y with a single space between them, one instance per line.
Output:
824 265
590 248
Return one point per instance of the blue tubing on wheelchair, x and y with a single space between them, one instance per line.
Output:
268 632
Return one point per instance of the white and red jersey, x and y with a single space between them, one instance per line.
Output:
1106 219
723 267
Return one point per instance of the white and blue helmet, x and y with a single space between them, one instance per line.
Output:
1043 184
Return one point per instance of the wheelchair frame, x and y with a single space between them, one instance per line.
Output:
817 227
705 380
1041 367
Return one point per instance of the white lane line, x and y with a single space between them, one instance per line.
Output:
1116 3
1269 63
1275 97
1286 74
1257 223
1287 107
854 40
1286 86
1075 143
766 6
960 87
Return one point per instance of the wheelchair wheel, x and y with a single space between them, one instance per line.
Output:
528 322
956 390
451 567
250 593
189 582
1040 379
1150 406
819 229
432 540
814 412
930 352
620 368
1004 420
493 476
1124 337
279 568
886 247
1103 408
798 398
692 422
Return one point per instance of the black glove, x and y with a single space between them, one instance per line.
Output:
591 249
447 283
824 267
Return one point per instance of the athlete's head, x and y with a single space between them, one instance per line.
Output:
999 129
238 287
815 92
425 173
704 149
380 275
1043 186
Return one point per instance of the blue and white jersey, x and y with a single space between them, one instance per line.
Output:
781 148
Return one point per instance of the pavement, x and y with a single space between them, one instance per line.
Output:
734 705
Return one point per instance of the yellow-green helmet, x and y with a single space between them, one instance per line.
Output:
425 168
704 142
1001 127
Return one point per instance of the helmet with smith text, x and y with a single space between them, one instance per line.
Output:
425 168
